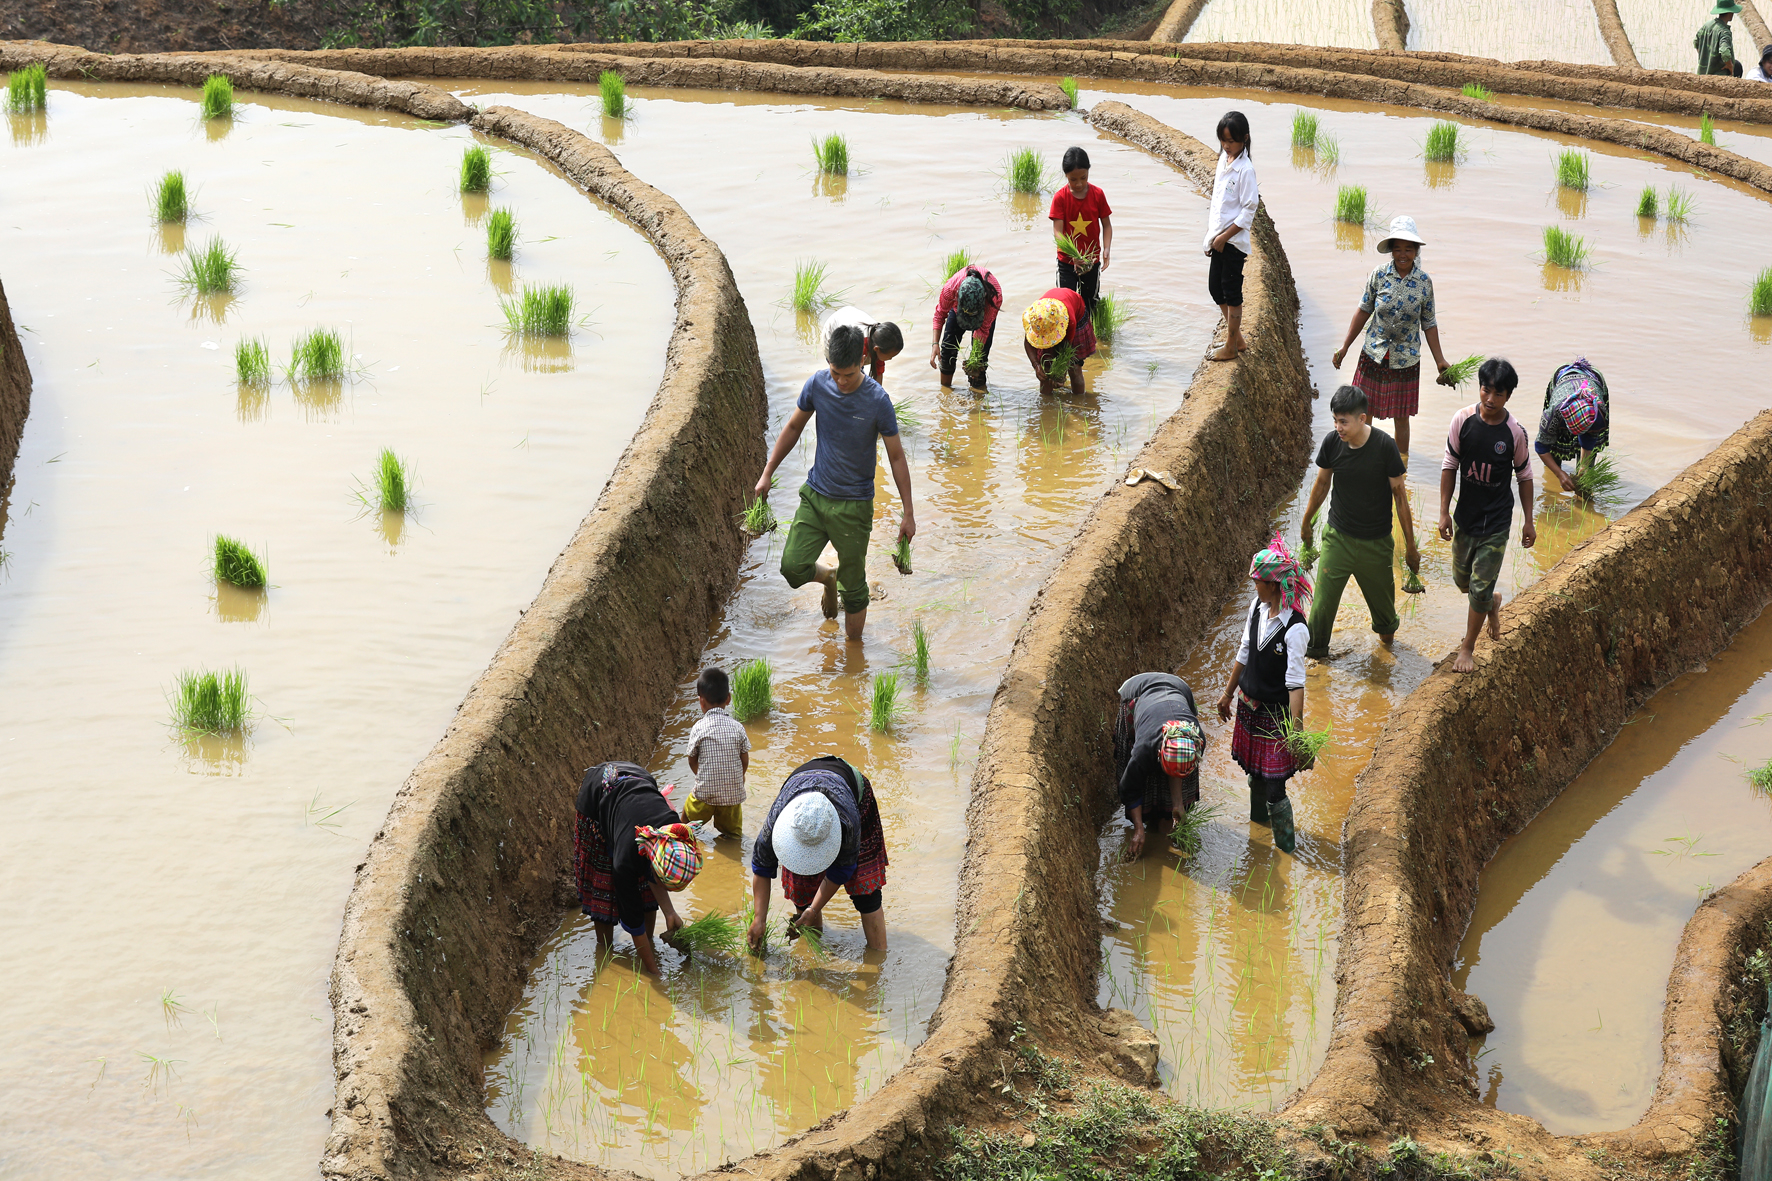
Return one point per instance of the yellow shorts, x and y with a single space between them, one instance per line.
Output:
728 818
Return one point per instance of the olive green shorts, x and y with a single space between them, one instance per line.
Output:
845 524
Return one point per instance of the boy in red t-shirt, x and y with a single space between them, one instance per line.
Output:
1081 211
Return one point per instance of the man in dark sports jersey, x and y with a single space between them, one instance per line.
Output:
1483 442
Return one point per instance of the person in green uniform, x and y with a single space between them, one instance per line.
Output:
1715 42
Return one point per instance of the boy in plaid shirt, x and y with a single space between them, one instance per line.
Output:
719 756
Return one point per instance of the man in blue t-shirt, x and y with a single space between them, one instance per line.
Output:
837 500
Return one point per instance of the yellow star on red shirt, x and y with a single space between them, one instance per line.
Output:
1080 226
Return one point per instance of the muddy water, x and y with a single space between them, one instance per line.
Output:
1558 30
1307 22
1753 140
172 909
1230 957
732 1056
1619 860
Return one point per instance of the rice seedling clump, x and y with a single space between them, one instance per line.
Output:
612 88
1460 372
1572 169
1061 360
1413 585
170 204
809 293
920 651
1599 483
1306 744
236 563
1304 129
211 270
1761 776
393 482
884 708
711 933
1069 86
905 411
901 555
1350 204
252 361
1190 829
759 518
1563 249
501 234
218 97
1759 299
541 310
1445 141
1328 150
1647 203
27 90
476 170
955 262
1026 171
1109 316
210 702
318 355
1678 205
832 154
1478 91
1707 130
752 694
1308 554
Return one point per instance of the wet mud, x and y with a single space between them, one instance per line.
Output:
15 397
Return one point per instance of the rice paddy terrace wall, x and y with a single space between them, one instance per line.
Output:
1613 34
15 394
1467 761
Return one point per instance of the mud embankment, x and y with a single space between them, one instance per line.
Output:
1390 25
1613 34
15 397
1179 18
1467 761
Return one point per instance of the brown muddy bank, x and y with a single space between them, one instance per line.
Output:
15 396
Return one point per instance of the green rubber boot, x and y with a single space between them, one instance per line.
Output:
1285 837
1257 802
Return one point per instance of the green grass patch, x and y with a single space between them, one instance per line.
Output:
1572 169
1648 205
501 234
612 89
832 154
1069 86
919 651
1305 127
1707 130
1600 483
252 361
1025 170
236 563
1350 204
753 693
27 90
809 292
476 170
1445 142
1563 249
711 933
393 482
1110 315
1678 205
1759 297
955 262
1478 91
318 355
885 710
218 97
1460 372
539 310
901 555
170 202
210 702
211 270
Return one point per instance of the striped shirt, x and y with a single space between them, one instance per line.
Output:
715 743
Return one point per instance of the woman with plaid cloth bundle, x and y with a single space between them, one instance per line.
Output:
1157 744
823 831
1267 683
1577 421
1399 303
629 855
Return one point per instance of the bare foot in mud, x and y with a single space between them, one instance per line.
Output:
1465 661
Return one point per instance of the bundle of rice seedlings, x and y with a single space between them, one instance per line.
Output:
759 518
1445 141
1761 777
1109 315
1460 372
975 358
27 90
1478 91
1069 86
1350 204
832 154
540 310
218 97
812 938
955 262
1306 744
901 555
236 563
1572 171
1707 130
1304 129
170 204
1563 249
809 293
1191 829
1412 585
501 234
1059 363
1026 171
211 270
905 411
1600 482
1647 205
1082 260
884 708
393 482
252 361
721 933
1759 298
1308 554
920 651
1678 205
612 88
1328 150
476 170
210 702
752 694
318 355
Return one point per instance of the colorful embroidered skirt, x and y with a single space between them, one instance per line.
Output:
596 876
1156 810
1390 393
870 861
1259 742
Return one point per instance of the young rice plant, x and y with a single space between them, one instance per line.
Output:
1069 86
1478 91
920 651
809 293
711 933
1109 316
1026 171
975 358
612 88
318 355
210 702
393 482
1445 142
955 262
1460 372
1759 299
1648 205
884 708
541 310
1678 205
211 270
501 234
1328 150
1190 829
1350 204
759 518
832 154
27 90
1306 744
252 361
1308 554
1304 129
218 97
1572 169
1563 249
1599 483
476 170
1761 776
901 555
235 563
752 695
170 204
1707 130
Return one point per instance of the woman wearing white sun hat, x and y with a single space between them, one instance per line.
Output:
1399 303
822 832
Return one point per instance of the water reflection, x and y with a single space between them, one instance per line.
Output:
1760 327
502 274
1349 236
613 130
540 354
474 207
253 402
392 527
215 754
1564 279
1572 202
211 309
172 237
824 184
320 398
1026 209
1441 174
239 604
216 130
28 129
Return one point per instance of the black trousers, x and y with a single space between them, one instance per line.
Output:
1225 278
1088 286
951 332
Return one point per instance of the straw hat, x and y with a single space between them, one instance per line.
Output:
674 853
1045 323
1402 226
807 834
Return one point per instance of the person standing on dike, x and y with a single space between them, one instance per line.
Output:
629 854
1399 303
1080 211
837 499
822 832
1366 470
1267 686
1715 41
1057 319
968 302
1235 195
1577 421
1157 745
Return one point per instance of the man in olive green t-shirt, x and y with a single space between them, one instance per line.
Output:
1715 42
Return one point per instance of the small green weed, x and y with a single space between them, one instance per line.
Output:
210 702
236 563
476 170
218 97
832 154
170 204
501 234
752 690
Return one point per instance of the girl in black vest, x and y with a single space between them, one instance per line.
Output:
1267 684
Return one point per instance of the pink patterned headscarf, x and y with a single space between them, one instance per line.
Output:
1276 563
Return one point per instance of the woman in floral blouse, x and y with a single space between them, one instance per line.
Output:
1399 306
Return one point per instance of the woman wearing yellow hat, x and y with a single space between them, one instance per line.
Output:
1058 338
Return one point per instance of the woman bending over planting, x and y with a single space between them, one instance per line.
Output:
1577 421
968 302
1397 310
1058 339
1267 687
881 340
1157 744
629 854
823 832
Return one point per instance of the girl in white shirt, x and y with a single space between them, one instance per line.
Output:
1234 198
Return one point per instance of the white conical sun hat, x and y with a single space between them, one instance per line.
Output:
807 835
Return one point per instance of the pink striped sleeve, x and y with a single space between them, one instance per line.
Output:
1450 462
1522 451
